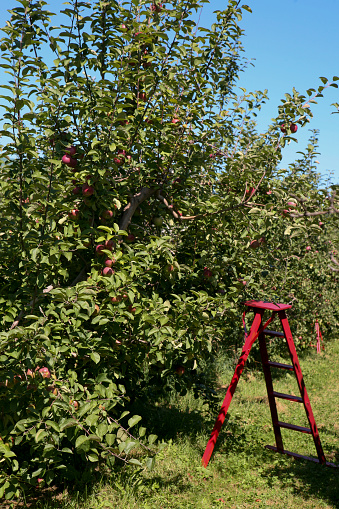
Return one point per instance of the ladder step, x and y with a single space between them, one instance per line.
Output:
294 427
287 396
299 456
279 365
268 332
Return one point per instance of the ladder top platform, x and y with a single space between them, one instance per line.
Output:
266 305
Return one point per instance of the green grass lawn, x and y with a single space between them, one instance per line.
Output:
241 473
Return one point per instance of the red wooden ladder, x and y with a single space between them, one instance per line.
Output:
258 329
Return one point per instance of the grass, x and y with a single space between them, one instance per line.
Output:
242 473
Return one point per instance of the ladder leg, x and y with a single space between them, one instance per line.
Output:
271 398
231 388
301 385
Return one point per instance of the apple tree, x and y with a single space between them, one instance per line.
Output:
136 194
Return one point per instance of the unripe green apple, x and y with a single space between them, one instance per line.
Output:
158 221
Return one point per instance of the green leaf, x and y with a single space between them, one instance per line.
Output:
134 420
95 357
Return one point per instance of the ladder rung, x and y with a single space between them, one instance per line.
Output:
279 365
299 456
294 427
287 396
274 333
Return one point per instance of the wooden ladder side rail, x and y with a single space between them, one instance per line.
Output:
300 380
256 329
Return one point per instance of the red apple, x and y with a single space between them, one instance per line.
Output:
117 299
45 372
180 370
291 204
156 8
74 213
169 269
175 120
131 309
107 214
142 96
110 244
99 249
282 128
74 404
109 262
87 190
130 238
118 161
293 128
207 272
70 161
308 248
76 190
254 244
71 150
107 271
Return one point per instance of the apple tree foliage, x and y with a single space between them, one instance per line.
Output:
139 207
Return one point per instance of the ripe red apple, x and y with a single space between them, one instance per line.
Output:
109 262
70 161
254 244
74 404
321 224
130 238
131 309
87 190
291 204
74 213
282 128
207 272
158 221
71 150
285 212
107 214
45 372
180 370
99 249
308 248
76 190
142 96
156 8
293 128
169 269
107 271
175 120
269 192
117 299
110 244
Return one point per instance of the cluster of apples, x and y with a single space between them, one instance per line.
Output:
109 262
293 128
257 242
68 158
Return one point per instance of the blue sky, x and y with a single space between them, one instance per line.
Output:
293 42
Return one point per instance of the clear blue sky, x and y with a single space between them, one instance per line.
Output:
293 42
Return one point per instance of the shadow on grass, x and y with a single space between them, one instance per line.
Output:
306 478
